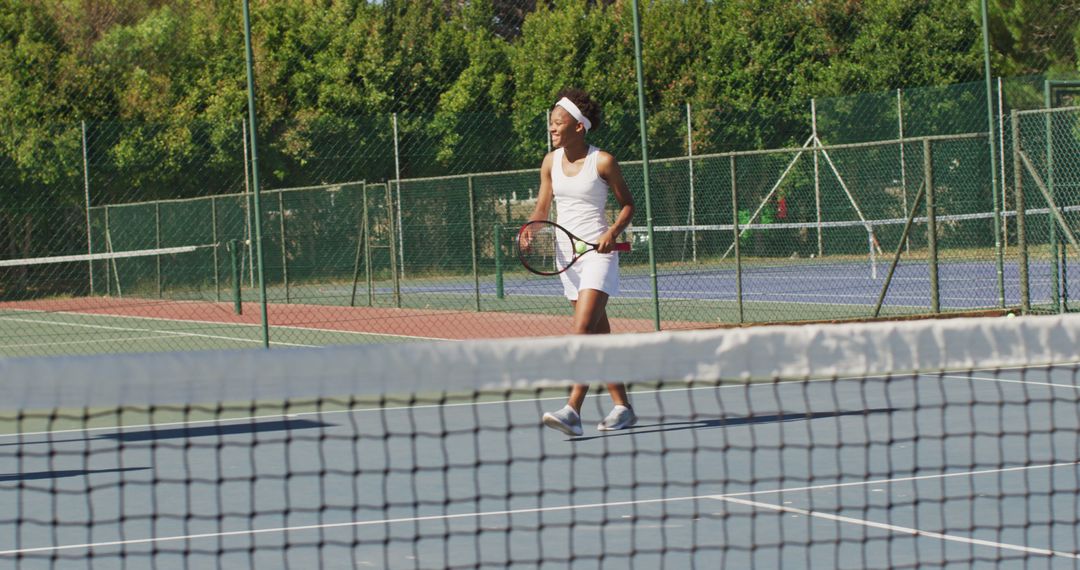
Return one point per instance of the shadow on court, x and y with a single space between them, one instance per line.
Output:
61 474
729 422
188 432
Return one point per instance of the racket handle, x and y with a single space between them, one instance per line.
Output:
621 246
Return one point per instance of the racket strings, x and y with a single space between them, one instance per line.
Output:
539 246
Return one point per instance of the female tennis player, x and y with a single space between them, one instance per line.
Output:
577 176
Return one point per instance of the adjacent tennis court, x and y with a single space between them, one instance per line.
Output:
459 308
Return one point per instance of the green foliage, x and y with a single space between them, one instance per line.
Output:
1033 36
162 83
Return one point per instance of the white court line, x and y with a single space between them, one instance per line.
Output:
1007 381
767 297
172 333
81 342
219 323
353 524
901 529
681 296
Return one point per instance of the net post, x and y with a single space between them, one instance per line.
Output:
157 244
234 269
931 226
214 241
499 294
473 242
1021 223
390 209
735 236
284 250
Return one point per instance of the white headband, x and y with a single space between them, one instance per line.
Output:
574 112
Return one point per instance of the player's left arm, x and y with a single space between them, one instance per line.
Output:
609 170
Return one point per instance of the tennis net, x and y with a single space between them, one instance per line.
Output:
135 273
878 445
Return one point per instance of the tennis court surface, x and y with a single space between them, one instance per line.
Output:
879 445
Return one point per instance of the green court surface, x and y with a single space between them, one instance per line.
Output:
43 334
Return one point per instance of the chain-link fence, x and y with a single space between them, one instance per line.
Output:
398 146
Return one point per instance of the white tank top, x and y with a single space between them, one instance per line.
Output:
580 199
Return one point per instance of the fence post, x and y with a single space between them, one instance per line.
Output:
931 226
86 189
157 244
284 250
642 123
735 236
817 177
1055 282
903 164
1021 215
361 237
234 267
247 211
249 60
110 264
499 293
390 209
214 241
473 242
999 263
692 217
1001 154
367 253
397 181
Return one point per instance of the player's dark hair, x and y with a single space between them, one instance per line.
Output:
588 107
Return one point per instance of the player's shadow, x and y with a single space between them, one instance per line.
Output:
190 432
185 432
713 423
37 475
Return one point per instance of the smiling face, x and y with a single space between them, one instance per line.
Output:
563 127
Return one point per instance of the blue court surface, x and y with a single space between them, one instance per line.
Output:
973 469
962 284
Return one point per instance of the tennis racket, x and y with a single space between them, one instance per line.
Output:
539 245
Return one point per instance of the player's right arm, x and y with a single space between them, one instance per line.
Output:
543 201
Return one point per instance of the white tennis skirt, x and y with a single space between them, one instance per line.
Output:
594 270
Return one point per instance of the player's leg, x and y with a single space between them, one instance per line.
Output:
616 389
568 419
590 317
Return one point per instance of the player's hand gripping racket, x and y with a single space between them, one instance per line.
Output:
538 244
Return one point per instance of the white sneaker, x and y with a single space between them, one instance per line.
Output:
621 417
565 420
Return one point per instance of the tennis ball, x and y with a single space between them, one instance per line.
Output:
580 247
1010 315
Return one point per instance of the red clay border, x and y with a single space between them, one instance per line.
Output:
425 323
